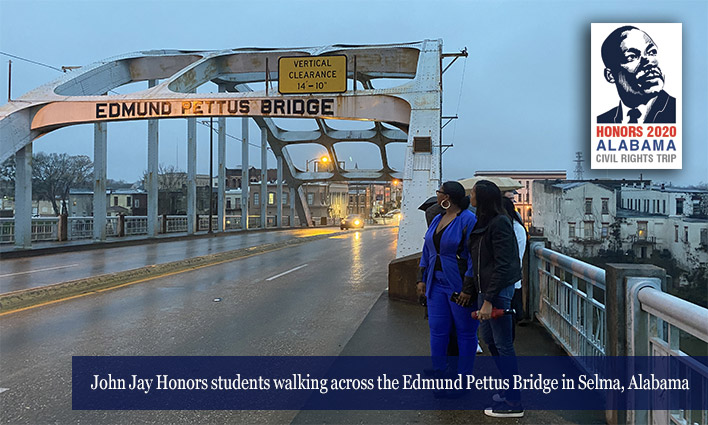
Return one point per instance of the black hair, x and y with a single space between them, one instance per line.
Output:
508 206
610 47
456 192
489 201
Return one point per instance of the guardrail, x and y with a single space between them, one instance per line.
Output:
47 228
43 229
570 299
621 312
656 323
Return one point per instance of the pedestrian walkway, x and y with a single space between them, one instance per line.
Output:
395 328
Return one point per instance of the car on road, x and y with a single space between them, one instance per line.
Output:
392 213
353 221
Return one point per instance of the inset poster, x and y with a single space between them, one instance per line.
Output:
635 99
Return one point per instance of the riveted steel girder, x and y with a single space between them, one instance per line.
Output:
410 111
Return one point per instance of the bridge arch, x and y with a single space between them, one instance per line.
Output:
406 113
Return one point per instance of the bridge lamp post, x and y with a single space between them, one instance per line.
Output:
323 159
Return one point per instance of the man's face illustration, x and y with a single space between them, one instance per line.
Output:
637 68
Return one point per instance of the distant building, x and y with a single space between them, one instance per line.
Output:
132 202
523 200
584 217
574 216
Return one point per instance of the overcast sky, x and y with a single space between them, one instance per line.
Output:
522 95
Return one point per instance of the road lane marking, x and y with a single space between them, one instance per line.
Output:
40 270
2 390
284 273
149 278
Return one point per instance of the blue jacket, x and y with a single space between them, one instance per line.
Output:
450 242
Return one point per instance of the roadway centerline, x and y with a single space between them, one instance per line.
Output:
284 273
40 270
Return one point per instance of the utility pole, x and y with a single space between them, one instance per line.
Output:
211 169
9 80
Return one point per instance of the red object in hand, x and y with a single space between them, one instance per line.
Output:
496 313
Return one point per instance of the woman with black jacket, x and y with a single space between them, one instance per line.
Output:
494 252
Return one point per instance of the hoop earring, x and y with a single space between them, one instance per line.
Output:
442 204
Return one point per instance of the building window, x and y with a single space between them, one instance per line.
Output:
588 205
679 206
310 198
571 230
137 203
642 230
115 201
271 198
589 229
685 234
646 205
285 198
228 203
605 230
256 198
676 233
127 201
664 205
605 205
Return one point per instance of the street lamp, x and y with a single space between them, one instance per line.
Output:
324 159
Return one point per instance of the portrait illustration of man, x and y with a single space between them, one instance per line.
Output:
632 65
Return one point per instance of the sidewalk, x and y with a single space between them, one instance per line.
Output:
394 328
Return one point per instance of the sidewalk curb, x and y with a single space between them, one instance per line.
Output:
25 298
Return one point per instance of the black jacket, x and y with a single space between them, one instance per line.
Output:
495 257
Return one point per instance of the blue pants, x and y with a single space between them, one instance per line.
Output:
442 313
498 335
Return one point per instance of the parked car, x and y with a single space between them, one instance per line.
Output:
353 221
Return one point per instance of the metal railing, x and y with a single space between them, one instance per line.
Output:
135 225
175 223
570 297
657 323
47 228
43 229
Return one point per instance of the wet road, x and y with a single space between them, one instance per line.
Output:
31 272
307 299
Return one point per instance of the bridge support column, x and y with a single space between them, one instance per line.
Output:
192 224
221 185
23 197
100 143
152 184
264 178
279 194
421 176
617 321
292 206
245 179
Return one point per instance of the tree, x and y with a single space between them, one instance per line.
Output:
169 178
53 175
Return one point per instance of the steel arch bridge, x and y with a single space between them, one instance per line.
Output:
409 113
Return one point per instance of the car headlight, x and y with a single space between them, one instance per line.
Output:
356 222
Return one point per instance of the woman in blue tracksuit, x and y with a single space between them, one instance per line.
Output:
444 261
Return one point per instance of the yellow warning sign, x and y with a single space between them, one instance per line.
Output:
312 74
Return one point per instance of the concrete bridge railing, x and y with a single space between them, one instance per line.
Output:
50 228
620 311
